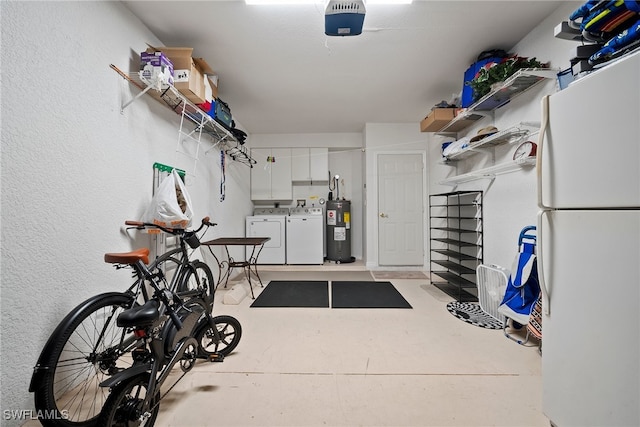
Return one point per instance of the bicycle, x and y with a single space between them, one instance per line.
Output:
135 393
87 345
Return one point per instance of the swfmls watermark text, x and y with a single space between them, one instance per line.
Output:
31 414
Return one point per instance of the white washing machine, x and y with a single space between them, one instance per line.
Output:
305 236
269 222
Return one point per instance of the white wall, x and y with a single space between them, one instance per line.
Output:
510 199
74 169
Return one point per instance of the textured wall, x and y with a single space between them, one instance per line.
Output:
74 168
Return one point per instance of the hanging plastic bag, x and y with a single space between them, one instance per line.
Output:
171 205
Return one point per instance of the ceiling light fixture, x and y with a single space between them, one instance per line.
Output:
272 2
370 2
307 2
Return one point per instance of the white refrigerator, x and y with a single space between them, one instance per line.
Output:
589 248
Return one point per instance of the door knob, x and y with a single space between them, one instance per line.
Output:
383 215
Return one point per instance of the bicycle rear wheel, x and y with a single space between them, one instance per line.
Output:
86 348
124 407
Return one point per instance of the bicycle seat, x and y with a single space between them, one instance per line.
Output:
141 315
128 257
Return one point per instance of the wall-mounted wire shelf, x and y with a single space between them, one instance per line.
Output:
490 172
510 135
518 83
169 96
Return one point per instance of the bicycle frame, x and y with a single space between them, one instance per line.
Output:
129 343
159 356
179 256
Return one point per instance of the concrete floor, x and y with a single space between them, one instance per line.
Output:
360 367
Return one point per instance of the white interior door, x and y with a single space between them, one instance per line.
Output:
400 210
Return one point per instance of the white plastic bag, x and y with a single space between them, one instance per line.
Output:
171 205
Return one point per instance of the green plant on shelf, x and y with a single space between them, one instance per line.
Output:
496 72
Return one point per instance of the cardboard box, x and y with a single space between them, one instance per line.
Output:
213 83
188 72
437 119
156 66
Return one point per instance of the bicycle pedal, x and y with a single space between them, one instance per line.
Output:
216 357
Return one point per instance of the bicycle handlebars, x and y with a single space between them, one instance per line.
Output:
141 225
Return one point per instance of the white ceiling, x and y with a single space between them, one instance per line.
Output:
280 73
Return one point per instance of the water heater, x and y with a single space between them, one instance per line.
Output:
338 230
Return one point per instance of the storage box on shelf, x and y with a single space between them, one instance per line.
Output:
188 72
437 119
455 226
466 98
156 66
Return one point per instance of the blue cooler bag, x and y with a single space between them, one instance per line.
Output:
484 58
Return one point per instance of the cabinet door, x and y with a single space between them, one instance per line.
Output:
281 187
261 174
300 164
319 164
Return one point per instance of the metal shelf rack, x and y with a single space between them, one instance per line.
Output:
456 236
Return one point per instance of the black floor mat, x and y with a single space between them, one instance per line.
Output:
366 295
284 293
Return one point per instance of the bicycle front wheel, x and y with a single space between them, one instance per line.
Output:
224 339
85 349
198 277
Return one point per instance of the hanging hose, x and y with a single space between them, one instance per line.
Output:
331 181
222 177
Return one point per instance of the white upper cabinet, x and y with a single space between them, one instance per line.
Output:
271 175
310 164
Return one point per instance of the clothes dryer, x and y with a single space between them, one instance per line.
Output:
305 236
269 222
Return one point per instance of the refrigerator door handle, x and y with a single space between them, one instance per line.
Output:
540 256
541 134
